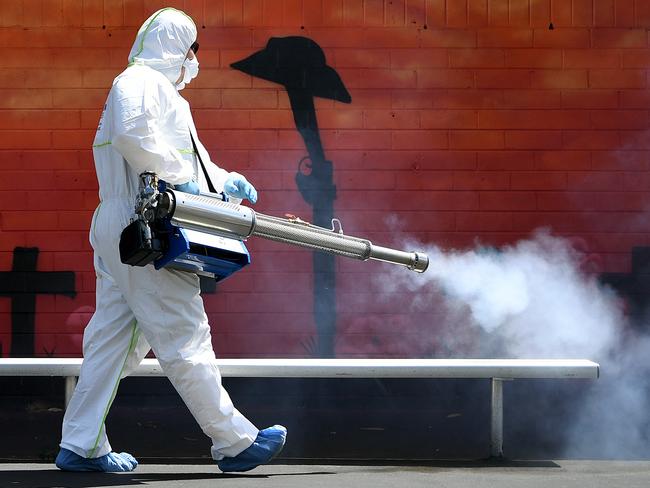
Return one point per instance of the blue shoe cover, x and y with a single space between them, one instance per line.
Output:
109 463
267 445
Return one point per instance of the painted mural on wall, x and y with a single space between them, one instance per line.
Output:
22 284
299 64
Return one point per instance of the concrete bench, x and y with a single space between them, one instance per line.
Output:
497 370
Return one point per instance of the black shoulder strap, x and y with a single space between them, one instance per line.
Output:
205 172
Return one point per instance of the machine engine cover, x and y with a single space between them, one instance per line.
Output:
134 247
204 254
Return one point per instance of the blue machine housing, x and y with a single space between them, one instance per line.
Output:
197 252
204 254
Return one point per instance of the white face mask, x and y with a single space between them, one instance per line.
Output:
190 72
191 69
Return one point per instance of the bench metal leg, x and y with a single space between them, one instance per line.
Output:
496 432
70 383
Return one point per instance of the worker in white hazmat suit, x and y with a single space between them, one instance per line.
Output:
147 126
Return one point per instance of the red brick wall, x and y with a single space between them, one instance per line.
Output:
469 118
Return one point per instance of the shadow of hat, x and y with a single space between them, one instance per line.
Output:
298 63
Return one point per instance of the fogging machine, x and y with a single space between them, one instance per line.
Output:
204 234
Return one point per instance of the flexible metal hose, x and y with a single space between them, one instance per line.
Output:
311 236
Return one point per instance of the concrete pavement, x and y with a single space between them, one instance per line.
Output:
452 474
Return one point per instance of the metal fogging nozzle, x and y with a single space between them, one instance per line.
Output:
415 261
421 262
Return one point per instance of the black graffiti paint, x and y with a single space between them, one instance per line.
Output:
634 287
298 63
22 284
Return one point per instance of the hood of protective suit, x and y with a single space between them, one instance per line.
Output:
163 41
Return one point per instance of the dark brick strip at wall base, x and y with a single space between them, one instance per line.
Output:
327 419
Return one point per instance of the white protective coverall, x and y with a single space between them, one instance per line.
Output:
146 126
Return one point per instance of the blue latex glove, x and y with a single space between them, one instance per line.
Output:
189 187
267 445
109 463
237 186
